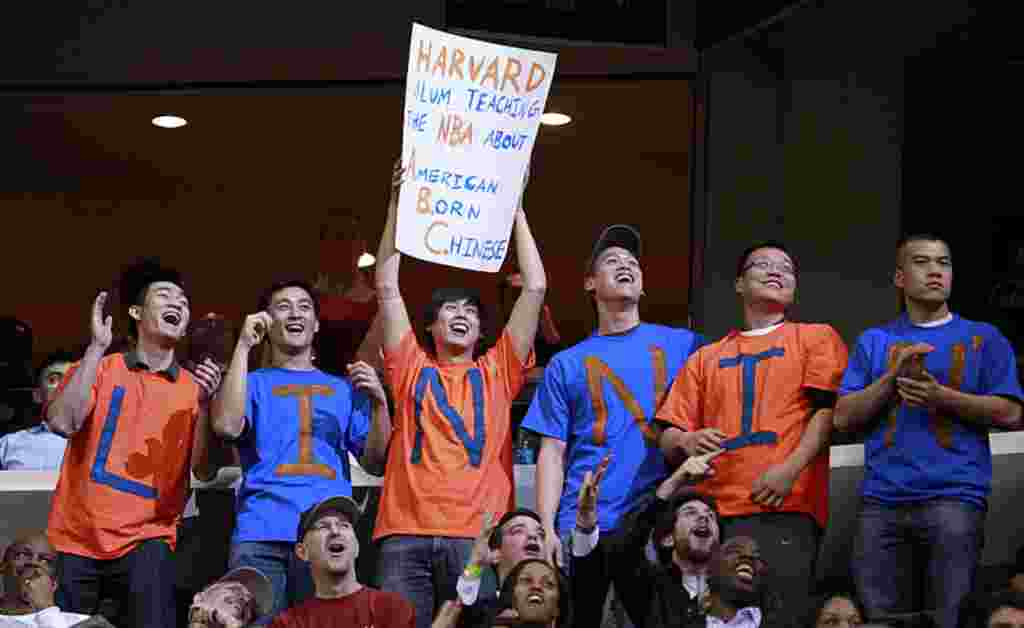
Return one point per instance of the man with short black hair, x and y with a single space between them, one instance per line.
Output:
599 397
451 458
682 525
764 394
137 423
518 535
294 427
37 448
326 539
736 586
925 388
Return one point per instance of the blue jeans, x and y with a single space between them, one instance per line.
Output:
290 577
424 569
937 542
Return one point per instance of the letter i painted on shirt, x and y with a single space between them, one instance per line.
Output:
307 464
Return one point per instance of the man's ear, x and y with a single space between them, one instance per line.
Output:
300 552
898 278
37 397
668 541
135 312
588 283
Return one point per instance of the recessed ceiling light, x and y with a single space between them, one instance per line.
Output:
555 119
365 261
169 122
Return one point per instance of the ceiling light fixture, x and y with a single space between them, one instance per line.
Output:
169 122
555 119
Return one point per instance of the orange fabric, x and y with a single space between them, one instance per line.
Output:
149 450
710 395
444 494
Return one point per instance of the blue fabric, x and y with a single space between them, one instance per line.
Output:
277 485
32 449
922 456
563 409
423 569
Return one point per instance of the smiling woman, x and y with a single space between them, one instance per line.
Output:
534 594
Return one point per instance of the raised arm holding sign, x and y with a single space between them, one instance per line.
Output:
447 460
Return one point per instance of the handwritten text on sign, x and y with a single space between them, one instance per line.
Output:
472 110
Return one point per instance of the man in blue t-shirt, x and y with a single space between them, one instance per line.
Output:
925 388
598 398
294 427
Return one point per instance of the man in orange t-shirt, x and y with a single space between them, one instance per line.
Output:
136 424
764 395
450 456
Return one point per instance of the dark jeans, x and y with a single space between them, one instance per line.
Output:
141 582
424 569
290 577
789 544
936 543
593 584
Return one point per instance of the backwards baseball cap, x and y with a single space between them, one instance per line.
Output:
339 503
622 236
257 584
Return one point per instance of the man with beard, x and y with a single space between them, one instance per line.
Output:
764 394
293 426
926 388
682 524
327 541
136 423
736 595
518 536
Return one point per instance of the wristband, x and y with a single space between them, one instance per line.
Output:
472 571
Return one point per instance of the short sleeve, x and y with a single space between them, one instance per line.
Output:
360 415
502 358
252 406
3 453
549 413
999 367
858 373
683 407
825 358
402 363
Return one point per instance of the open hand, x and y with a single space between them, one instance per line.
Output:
102 328
586 504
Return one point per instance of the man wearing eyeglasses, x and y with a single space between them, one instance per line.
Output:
764 394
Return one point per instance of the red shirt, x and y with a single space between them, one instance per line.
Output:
366 608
